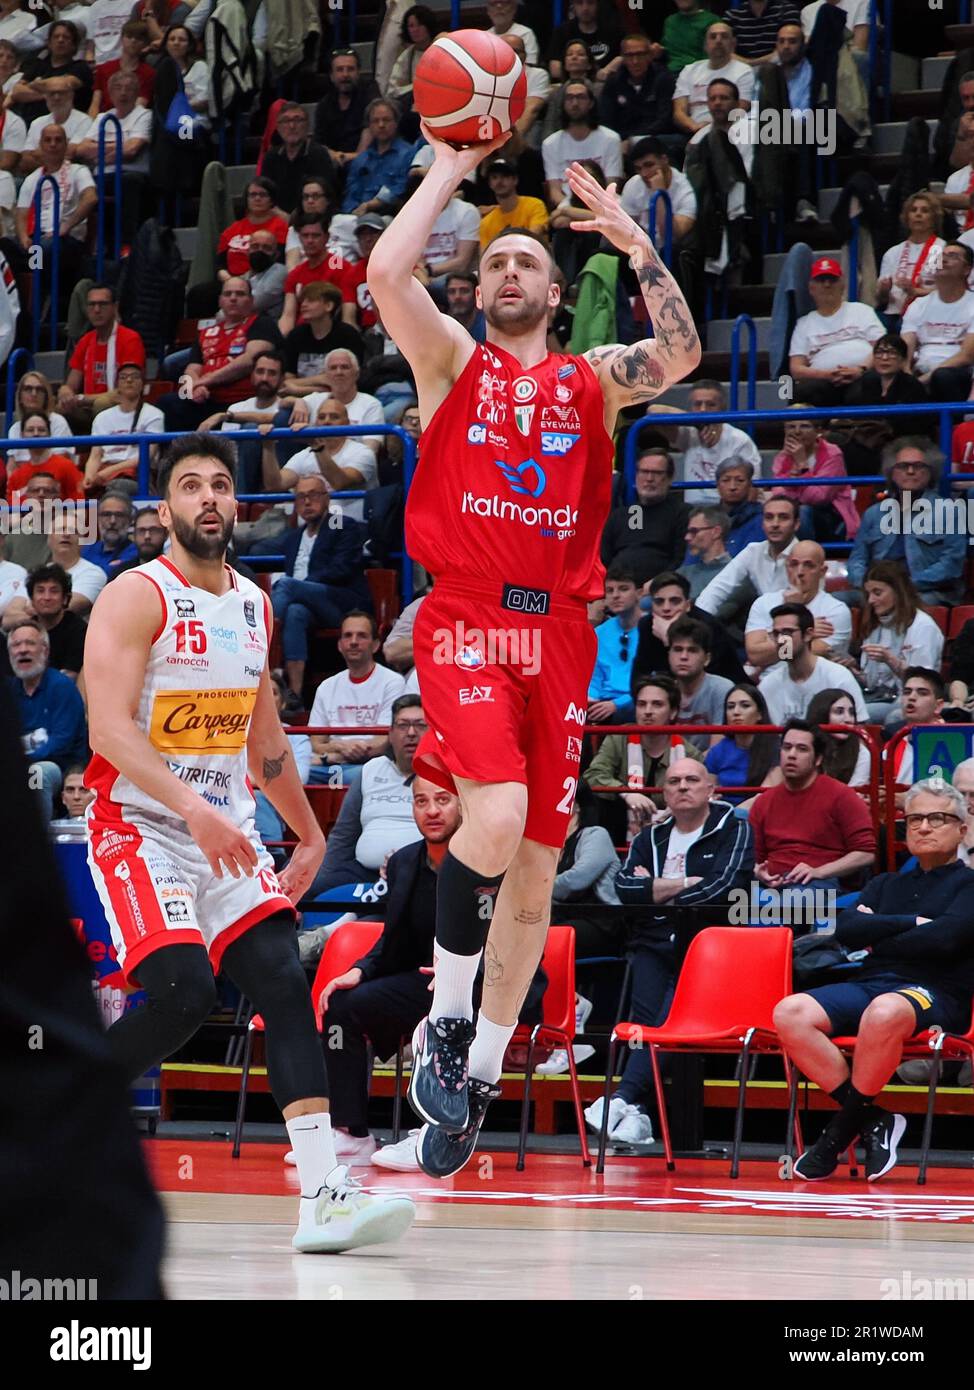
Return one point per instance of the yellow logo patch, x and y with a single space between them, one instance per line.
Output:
196 723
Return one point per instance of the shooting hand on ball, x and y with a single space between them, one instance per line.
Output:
464 161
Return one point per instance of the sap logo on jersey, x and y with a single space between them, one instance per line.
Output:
574 715
557 443
477 695
470 659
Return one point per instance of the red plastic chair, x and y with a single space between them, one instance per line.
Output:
958 617
926 1046
725 997
938 612
556 1029
343 948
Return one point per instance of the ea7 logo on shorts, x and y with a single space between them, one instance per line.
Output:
477 434
177 911
574 715
477 695
574 750
557 443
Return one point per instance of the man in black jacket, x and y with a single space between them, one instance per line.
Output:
670 599
382 998
324 573
648 535
637 98
918 931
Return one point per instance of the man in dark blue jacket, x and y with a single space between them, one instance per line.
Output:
698 854
325 574
918 930
52 713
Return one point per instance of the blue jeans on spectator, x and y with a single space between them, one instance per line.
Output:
175 364
653 962
301 604
45 778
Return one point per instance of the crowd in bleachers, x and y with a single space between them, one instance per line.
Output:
721 605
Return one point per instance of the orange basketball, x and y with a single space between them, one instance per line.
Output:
469 87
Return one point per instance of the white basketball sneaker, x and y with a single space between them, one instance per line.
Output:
343 1217
401 1157
357 1153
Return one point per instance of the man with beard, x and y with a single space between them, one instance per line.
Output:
183 721
506 511
149 536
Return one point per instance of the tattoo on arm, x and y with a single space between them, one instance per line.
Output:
530 917
273 767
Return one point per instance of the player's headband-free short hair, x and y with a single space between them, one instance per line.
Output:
209 446
520 231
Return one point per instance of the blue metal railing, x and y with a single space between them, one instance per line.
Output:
100 181
12 380
744 321
667 224
37 269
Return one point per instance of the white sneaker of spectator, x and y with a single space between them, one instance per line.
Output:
355 1153
557 1063
617 1112
633 1128
401 1157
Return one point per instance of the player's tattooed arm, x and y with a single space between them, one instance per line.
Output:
273 767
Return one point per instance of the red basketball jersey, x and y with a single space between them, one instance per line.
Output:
515 473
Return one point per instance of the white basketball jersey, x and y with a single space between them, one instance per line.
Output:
201 680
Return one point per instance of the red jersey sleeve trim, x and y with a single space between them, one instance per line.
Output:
164 560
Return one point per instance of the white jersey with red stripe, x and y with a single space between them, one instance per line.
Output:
205 664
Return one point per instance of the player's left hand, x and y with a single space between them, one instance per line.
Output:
299 875
611 219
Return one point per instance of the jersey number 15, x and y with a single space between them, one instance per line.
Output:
190 637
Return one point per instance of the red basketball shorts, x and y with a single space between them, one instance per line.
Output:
505 693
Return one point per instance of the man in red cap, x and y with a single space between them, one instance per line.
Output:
833 345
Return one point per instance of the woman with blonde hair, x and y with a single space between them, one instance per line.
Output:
895 633
907 270
35 393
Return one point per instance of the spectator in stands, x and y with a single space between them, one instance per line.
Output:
368 229
78 201
832 347
419 28
315 201
345 463
857 27
12 591
113 548
579 67
87 580
28 546
527 129
706 537
266 273
261 215
755 24
269 825
637 99
847 758
938 328
759 567
827 513
654 173
377 177
75 796
52 714
297 158
46 461
908 270
93 367
454 238
13 137
735 488
59 59
962 780
807 571
935 562
340 122
319 265
744 760
16 21
648 537
511 210
918 930
800 164
342 372
888 382
600 32
690 110
117 465
961 664
701 693
810 828
376 817
461 301
609 690
323 577
135 42
581 137
698 853
149 537
266 378
896 635
222 358
11 76
182 46
922 701
704 447
49 592
670 601
104 21
360 696
801 673
638 761
501 15
59 94
307 346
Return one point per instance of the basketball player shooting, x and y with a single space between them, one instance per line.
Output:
506 511
181 711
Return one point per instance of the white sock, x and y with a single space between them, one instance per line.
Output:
453 984
314 1150
487 1049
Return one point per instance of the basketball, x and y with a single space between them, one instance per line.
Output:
469 87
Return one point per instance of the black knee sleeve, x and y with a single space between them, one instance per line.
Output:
464 906
180 994
264 965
